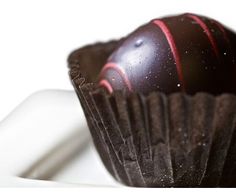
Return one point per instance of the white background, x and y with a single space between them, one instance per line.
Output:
37 36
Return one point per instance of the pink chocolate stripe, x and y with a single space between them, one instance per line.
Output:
207 31
221 29
173 48
106 84
120 71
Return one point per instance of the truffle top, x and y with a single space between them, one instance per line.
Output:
187 53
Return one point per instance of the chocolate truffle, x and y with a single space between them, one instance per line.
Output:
186 53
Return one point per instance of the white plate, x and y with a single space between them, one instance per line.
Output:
46 138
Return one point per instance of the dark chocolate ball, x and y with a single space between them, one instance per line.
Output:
187 53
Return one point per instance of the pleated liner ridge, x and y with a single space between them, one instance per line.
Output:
159 140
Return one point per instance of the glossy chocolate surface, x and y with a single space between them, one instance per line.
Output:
188 53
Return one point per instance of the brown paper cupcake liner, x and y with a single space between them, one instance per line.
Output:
157 140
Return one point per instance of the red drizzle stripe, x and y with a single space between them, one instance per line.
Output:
120 71
173 48
106 84
222 30
207 31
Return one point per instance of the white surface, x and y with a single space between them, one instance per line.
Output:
46 138
37 36
86 169
10 181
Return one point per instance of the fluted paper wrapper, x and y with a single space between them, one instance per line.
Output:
157 140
